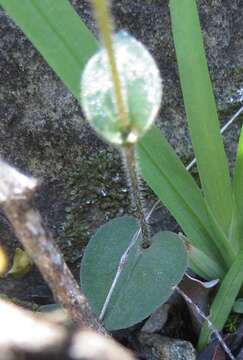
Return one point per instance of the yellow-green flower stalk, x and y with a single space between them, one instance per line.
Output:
121 91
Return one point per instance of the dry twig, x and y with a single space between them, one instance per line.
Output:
16 192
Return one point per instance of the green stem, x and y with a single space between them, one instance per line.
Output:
103 19
130 162
104 23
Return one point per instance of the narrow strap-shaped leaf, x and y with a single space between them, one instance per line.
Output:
236 227
201 109
168 178
204 265
58 33
224 299
237 221
225 248
238 175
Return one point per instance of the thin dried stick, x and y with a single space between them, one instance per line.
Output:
205 318
135 237
16 192
222 130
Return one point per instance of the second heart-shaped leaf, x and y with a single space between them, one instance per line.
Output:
147 279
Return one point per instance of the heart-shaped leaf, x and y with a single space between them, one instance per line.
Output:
147 279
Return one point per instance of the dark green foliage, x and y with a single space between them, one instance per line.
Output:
201 110
56 30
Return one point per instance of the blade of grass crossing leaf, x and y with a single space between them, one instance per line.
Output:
168 178
58 33
201 109
224 300
237 231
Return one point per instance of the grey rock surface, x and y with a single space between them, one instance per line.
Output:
157 319
43 133
157 347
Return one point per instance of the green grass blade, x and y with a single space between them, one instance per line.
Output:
201 109
223 244
238 175
203 265
58 33
236 228
168 178
237 222
224 299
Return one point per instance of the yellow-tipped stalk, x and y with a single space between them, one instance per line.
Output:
103 19
105 101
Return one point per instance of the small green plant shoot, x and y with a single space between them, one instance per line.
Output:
126 272
121 105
